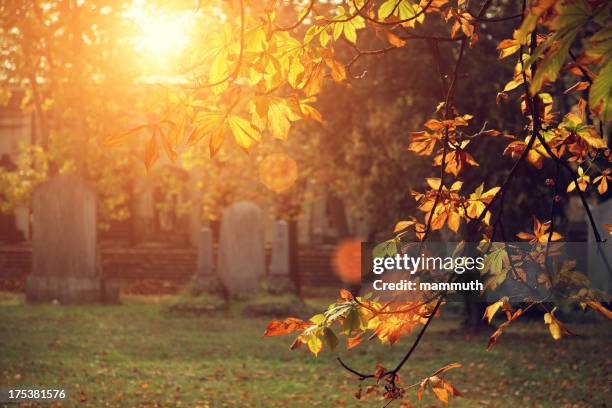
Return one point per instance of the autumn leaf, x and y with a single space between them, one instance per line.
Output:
353 341
315 80
540 233
478 201
338 71
500 329
576 124
402 225
583 181
244 133
603 180
442 389
395 40
516 148
423 143
557 329
304 108
287 326
345 294
277 114
315 345
493 308
508 47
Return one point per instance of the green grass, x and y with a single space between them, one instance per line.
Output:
137 354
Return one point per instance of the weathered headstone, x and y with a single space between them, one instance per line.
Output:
279 279
205 279
241 250
64 246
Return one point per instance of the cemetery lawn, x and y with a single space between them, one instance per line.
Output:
136 354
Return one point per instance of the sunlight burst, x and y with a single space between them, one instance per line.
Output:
161 35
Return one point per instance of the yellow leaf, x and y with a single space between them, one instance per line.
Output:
279 118
219 68
557 329
492 309
315 345
402 225
507 47
454 220
244 133
315 80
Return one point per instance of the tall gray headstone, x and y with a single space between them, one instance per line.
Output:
241 250
64 246
205 279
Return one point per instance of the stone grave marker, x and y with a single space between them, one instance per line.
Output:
241 250
64 243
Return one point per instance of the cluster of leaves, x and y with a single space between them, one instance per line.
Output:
357 317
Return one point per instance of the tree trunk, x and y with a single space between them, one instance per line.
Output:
337 213
474 308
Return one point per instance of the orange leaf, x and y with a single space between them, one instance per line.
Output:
395 40
289 325
353 342
338 70
345 294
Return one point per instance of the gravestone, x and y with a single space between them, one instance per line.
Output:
64 244
241 250
279 279
600 254
205 279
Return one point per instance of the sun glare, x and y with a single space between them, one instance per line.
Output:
160 35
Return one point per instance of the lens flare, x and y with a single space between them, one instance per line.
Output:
347 260
278 172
